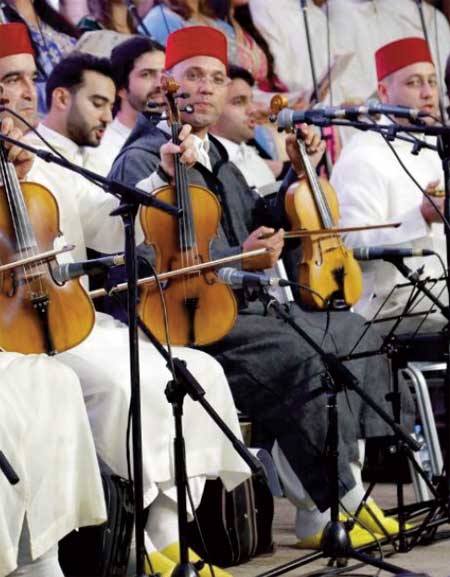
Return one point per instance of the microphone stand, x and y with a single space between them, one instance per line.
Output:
315 94
336 541
7 469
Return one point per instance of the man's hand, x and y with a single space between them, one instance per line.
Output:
186 150
315 147
22 159
427 209
273 243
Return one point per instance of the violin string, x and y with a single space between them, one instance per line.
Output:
9 188
176 128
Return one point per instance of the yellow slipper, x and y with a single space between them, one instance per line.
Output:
381 523
173 553
159 564
358 538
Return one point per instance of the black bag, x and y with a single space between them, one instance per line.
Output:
236 525
102 550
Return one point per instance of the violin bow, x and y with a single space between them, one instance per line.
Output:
331 231
182 271
38 258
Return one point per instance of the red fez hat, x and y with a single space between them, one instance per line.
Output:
14 39
400 53
195 41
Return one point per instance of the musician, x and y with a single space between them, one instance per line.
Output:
81 95
373 188
43 423
364 26
274 375
236 126
137 64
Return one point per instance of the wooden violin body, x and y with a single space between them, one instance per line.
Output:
201 309
328 267
36 314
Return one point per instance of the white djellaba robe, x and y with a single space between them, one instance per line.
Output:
100 158
45 435
101 361
373 188
363 26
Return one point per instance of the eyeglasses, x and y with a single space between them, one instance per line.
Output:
198 76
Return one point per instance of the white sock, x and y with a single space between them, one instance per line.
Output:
162 523
45 566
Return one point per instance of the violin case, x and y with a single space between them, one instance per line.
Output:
234 526
102 550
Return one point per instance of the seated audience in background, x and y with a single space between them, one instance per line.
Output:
51 34
137 64
284 31
373 188
112 15
169 15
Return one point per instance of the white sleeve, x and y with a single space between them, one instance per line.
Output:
102 232
363 191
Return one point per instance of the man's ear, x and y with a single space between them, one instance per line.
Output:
61 98
122 93
383 92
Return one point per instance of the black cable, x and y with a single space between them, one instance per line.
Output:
422 190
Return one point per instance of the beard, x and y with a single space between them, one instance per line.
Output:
80 131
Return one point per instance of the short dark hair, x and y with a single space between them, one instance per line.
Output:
69 72
235 72
124 56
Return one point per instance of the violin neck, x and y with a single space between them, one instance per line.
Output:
26 239
317 192
186 225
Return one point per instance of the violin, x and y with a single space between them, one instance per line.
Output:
200 309
37 315
328 268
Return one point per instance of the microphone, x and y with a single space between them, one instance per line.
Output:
240 278
69 271
288 117
387 253
376 107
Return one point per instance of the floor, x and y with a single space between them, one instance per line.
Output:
433 559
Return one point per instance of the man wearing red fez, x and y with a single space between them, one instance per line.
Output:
17 70
373 187
274 375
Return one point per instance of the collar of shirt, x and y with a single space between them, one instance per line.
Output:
201 145
64 145
120 128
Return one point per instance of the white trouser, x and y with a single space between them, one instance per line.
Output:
309 519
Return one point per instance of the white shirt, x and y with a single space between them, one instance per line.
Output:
255 169
374 189
100 159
